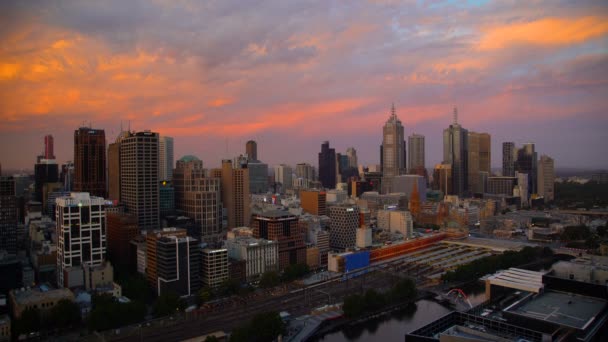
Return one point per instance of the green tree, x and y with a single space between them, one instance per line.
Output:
354 306
295 271
572 233
108 313
228 287
64 315
204 295
269 279
30 321
136 288
168 303
263 327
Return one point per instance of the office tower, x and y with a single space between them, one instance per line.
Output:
313 202
152 260
81 236
456 153
202 202
90 161
235 194
351 154
327 166
406 184
393 146
139 177
343 226
9 215
251 149
526 163
46 171
415 163
66 176
215 267
48 147
501 185
166 199
305 171
187 169
283 176
400 221
442 178
478 160
522 188
508 159
121 229
178 261
546 178
282 227
165 158
259 255
258 177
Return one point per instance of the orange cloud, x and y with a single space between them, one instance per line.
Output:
9 71
220 102
548 31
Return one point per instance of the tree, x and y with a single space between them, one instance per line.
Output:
263 327
269 279
30 321
354 305
64 315
295 271
168 303
572 233
203 295
136 288
108 313
228 287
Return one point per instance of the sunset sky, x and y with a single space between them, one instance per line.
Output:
290 74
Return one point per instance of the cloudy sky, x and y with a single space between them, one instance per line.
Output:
290 74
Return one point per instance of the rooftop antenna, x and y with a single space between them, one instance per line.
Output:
393 111
455 115
129 126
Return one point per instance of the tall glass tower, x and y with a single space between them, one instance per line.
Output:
456 154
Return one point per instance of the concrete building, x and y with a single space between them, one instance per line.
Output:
546 178
187 169
45 171
9 215
178 261
49 147
98 277
165 158
114 168
478 160
364 237
258 177
396 221
283 176
327 166
442 178
215 267
202 202
41 298
81 235
90 161
343 226
166 199
393 147
139 178
522 187
251 149
508 159
282 227
336 196
260 255
121 229
456 154
501 185
313 202
235 194
415 154
305 171
526 162
351 155
151 252
406 183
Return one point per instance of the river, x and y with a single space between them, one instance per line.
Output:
393 327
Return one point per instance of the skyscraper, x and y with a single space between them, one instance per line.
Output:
393 146
46 171
327 166
187 169
526 163
90 161
251 149
546 178
202 202
114 167
343 226
9 218
283 175
235 194
479 160
165 158
282 227
48 147
416 163
456 153
508 159
351 154
139 177
81 236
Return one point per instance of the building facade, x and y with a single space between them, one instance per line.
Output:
415 154
202 202
178 261
251 149
546 178
327 166
235 194
343 226
90 161
508 159
215 267
165 158
282 227
455 153
393 147
259 255
121 229
313 202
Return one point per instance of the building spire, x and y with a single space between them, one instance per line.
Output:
393 111
455 115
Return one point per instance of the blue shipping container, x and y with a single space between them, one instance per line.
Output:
356 261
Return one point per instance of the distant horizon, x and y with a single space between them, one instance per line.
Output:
291 75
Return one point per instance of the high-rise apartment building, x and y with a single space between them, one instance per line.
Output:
393 147
283 175
508 159
235 194
282 227
48 147
251 149
139 177
178 261
187 169
343 226
327 166
546 178
305 171
313 202
90 161
415 154
81 236
165 158
456 153
478 160
202 202
526 162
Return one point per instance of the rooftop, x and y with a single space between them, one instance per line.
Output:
34 295
567 309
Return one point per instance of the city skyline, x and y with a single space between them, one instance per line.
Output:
523 73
